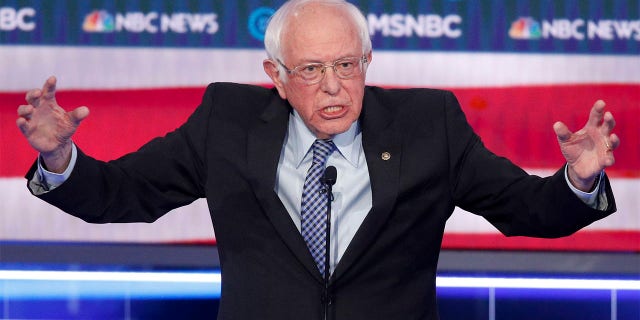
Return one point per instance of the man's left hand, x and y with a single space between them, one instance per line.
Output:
589 150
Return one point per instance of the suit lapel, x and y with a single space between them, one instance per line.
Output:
382 147
264 145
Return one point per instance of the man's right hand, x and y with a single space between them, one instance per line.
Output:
48 127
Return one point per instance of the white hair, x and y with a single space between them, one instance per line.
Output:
277 23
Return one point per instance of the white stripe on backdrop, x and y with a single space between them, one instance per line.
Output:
109 68
27 218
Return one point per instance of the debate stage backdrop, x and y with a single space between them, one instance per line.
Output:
142 66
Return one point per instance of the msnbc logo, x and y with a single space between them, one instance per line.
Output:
258 21
525 28
98 21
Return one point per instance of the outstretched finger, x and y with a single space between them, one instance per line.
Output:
79 114
25 111
597 113
608 124
22 122
49 88
614 141
562 131
33 97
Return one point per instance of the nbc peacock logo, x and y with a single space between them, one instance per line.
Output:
98 21
525 28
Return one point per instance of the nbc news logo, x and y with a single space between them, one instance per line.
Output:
98 21
525 28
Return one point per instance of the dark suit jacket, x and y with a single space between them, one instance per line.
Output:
228 152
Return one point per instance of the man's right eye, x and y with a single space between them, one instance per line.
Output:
312 68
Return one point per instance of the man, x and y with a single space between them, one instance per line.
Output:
404 159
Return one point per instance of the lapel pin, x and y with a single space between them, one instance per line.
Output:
385 156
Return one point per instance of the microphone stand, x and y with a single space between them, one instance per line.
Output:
329 179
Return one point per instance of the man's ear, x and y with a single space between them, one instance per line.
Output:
271 69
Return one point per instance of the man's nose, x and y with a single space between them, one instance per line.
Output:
330 82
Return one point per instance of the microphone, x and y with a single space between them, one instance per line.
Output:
330 176
328 179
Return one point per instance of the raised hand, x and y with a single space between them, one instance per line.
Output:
48 127
589 150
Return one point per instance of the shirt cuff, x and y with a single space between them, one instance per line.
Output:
45 181
597 198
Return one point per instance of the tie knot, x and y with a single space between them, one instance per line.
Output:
321 150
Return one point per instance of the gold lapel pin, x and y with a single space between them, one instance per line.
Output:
385 156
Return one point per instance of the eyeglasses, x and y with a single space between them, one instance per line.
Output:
312 73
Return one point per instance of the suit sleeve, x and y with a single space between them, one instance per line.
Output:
513 201
166 173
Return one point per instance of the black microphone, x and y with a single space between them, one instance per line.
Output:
330 176
328 179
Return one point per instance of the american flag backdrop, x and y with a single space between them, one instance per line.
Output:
141 67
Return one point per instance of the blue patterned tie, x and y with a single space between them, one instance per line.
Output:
314 203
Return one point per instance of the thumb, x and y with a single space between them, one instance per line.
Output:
562 131
79 114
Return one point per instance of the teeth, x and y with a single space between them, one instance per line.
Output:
332 109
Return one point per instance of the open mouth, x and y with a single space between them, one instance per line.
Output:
333 112
333 109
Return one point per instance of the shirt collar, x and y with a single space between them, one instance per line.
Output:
348 143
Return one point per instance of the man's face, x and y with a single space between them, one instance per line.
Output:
321 34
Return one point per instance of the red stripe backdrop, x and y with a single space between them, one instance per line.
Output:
515 122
